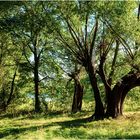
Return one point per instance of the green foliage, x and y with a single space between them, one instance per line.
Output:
33 27
132 102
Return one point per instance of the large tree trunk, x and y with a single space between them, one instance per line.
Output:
36 84
119 92
99 109
113 101
78 96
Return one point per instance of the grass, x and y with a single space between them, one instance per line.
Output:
68 126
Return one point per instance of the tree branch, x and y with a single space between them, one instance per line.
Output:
113 63
41 51
75 38
79 57
85 44
94 37
45 78
138 12
124 43
102 74
24 52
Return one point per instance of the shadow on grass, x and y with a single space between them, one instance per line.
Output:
136 136
31 115
3 116
64 124
66 129
73 123
15 115
71 133
133 136
15 131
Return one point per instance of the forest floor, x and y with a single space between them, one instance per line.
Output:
67 126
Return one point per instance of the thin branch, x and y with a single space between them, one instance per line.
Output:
65 43
102 74
46 77
75 38
77 55
109 46
138 12
124 43
126 46
73 32
24 52
41 51
94 37
86 32
113 63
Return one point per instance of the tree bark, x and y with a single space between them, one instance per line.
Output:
99 109
36 86
119 92
78 96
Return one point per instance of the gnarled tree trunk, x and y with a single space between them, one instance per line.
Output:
78 96
119 92
99 109
78 90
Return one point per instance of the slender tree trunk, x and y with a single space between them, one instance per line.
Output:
99 109
36 84
12 88
78 96
2 101
10 97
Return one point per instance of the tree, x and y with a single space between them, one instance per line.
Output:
91 44
32 37
9 65
78 90
10 57
66 63
28 30
102 37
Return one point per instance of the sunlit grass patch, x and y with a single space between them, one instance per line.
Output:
69 127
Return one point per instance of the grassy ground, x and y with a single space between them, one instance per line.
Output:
66 126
